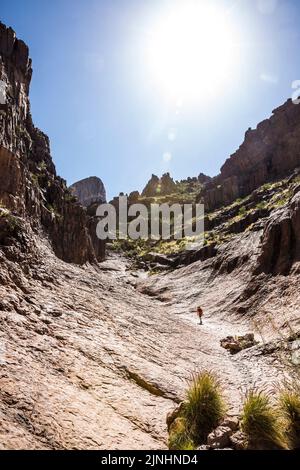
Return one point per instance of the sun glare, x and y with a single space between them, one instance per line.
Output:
192 50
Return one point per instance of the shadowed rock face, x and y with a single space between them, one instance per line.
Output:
269 152
280 247
89 191
202 178
29 186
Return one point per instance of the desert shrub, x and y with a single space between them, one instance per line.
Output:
4 212
242 211
42 166
261 205
289 404
34 179
53 209
205 406
260 421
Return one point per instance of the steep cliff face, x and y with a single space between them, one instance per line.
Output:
29 186
269 152
89 191
280 247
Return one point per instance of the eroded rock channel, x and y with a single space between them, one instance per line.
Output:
89 361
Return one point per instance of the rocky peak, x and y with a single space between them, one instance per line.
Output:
16 52
151 187
203 179
167 184
269 152
89 191
159 186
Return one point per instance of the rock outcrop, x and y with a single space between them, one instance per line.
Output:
236 344
151 187
159 186
29 186
202 178
280 247
89 191
269 152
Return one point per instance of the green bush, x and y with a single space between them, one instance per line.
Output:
4 212
205 406
261 423
34 179
42 166
261 205
242 211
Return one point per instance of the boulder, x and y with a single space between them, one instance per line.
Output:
219 438
235 344
203 448
231 422
239 441
174 414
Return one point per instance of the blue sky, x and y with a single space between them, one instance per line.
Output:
93 92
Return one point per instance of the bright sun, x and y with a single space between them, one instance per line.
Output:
192 50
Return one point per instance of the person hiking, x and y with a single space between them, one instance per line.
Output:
200 314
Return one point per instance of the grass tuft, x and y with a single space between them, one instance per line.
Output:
204 407
289 403
261 423
179 438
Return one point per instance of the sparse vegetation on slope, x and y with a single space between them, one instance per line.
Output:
220 225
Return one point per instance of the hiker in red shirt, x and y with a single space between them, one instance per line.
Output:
200 314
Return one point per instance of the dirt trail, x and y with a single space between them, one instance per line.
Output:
94 358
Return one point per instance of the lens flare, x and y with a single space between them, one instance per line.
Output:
192 50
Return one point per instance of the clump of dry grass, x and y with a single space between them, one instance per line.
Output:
261 422
289 405
179 438
201 413
205 406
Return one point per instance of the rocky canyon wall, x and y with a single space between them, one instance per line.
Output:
29 185
280 244
269 152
